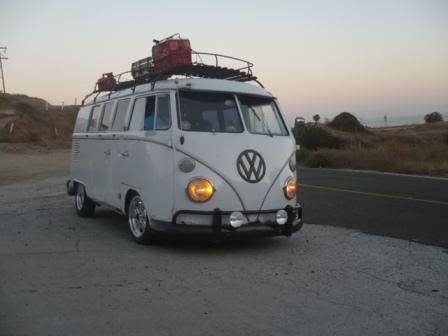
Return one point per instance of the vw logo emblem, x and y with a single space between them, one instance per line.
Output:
251 166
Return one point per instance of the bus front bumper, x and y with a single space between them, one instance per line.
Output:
219 226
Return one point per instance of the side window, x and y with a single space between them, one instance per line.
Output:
163 116
82 119
120 115
149 113
143 114
106 119
138 115
93 123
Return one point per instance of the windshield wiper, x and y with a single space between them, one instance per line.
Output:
269 131
262 120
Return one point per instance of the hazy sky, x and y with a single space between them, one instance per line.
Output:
367 57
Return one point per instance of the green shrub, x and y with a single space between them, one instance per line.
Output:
302 154
433 117
317 160
314 137
347 122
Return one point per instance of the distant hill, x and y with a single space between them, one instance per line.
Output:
26 119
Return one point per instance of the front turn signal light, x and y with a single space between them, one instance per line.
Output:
200 190
290 188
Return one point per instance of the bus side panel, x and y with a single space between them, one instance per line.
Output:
75 165
149 171
85 166
81 162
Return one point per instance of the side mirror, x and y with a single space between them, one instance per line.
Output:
299 123
299 127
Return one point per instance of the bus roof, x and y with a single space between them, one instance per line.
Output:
200 84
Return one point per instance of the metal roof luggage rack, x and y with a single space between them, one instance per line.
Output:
143 73
200 65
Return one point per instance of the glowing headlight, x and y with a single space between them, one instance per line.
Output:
290 188
200 190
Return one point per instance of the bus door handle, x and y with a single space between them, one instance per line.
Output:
124 154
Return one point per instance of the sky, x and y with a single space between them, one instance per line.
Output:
318 57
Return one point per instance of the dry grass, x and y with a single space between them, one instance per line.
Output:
419 149
33 124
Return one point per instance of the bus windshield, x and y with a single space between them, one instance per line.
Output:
209 112
261 115
201 111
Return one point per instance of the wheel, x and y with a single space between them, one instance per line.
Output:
85 207
139 221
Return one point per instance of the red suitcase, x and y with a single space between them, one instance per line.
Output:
171 54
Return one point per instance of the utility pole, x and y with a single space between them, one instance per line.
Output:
1 67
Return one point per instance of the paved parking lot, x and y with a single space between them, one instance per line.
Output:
64 275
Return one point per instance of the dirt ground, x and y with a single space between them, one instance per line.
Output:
61 274
66 275
19 164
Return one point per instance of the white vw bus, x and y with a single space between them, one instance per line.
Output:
187 156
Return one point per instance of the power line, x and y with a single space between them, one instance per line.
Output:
1 67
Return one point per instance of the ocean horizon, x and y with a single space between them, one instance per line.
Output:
392 121
396 120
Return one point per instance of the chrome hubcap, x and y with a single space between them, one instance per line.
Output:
80 196
138 217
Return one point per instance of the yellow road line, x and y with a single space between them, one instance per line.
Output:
405 198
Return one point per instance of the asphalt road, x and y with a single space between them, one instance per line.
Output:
65 275
401 206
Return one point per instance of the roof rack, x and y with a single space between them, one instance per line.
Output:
197 69
201 65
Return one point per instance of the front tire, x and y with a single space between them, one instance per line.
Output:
84 206
139 221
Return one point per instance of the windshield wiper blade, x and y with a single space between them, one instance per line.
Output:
262 120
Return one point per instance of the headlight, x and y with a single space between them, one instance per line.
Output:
281 217
237 219
200 190
290 188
